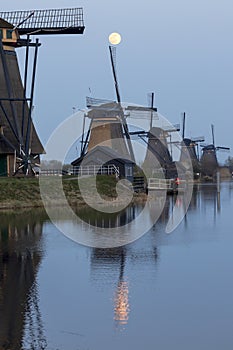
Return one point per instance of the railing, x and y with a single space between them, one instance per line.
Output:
51 172
166 184
158 184
87 170
90 170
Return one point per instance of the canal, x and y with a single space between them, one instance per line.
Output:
163 291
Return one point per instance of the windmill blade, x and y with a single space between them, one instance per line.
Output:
150 98
151 105
198 139
171 128
22 151
112 50
32 169
183 126
212 131
140 132
92 102
46 22
219 148
23 20
174 143
140 109
107 108
141 112
20 167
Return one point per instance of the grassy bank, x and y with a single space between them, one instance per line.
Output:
16 193
19 193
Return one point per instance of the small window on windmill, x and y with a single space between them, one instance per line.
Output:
1 34
9 34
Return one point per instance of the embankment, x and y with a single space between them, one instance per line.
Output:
18 193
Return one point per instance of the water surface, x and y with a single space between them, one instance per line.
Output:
163 291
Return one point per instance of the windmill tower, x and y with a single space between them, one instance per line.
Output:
189 150
158 157
106 128
20 146
209 161
158 147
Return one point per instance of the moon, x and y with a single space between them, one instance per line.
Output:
114 38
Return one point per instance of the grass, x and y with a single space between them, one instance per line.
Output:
19 193
25 192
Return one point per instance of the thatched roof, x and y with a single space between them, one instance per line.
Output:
15 108
101 155
5 24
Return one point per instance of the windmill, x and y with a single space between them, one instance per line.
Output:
157 146
107 125
190 149
209 161
108 122
20 146
156 140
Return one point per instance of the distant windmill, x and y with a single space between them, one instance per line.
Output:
209 162
190 149
158 157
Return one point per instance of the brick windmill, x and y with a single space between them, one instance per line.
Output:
20 146
209 161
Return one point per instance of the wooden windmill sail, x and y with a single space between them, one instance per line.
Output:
20 146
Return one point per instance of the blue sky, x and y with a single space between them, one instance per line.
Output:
180 49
